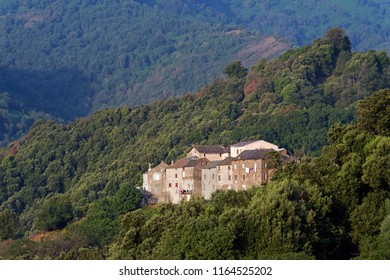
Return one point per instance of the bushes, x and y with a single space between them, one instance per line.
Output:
55 213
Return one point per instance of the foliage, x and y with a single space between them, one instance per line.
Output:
14 121
230 230
66 59
85 175
235 70
55 213
8 224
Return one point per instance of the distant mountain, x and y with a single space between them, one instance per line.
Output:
301 21
71 58
66 59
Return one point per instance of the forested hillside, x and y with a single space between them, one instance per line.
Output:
69 58
66 59
75 182
301 21
336 206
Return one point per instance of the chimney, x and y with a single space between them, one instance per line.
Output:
150 167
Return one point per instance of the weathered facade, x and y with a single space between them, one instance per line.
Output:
251 168
154 182
184 178
225 174
209 179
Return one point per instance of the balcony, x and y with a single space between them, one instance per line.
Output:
185 192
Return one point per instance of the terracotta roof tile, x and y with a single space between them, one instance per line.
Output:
226 161
181 162
187 162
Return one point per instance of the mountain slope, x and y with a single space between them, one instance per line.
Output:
300 22
89 169
68 59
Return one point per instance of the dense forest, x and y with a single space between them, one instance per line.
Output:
70 191
66 59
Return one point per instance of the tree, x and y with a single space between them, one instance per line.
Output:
235 70
55 213
374 113
338 38
126 199
8 224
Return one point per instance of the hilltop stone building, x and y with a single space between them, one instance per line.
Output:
183 178
154 181
225 174
209 179
251 168
207 169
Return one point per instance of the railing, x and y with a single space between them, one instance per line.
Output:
185 192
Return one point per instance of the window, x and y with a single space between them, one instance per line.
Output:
229 177
228 167
219 168
243 165
235 166
265 165
235 177
219 177
184 173
170 185
237 152
243 177
212 176
255 167
265 176
177 185
176 175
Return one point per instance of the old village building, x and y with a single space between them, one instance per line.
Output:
210 168
183 178
250 168
154 182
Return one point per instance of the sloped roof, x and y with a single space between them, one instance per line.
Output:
243 143
186 162
262 144
212 164
226 161
161 166
254 154
216 149
195 162
181 162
